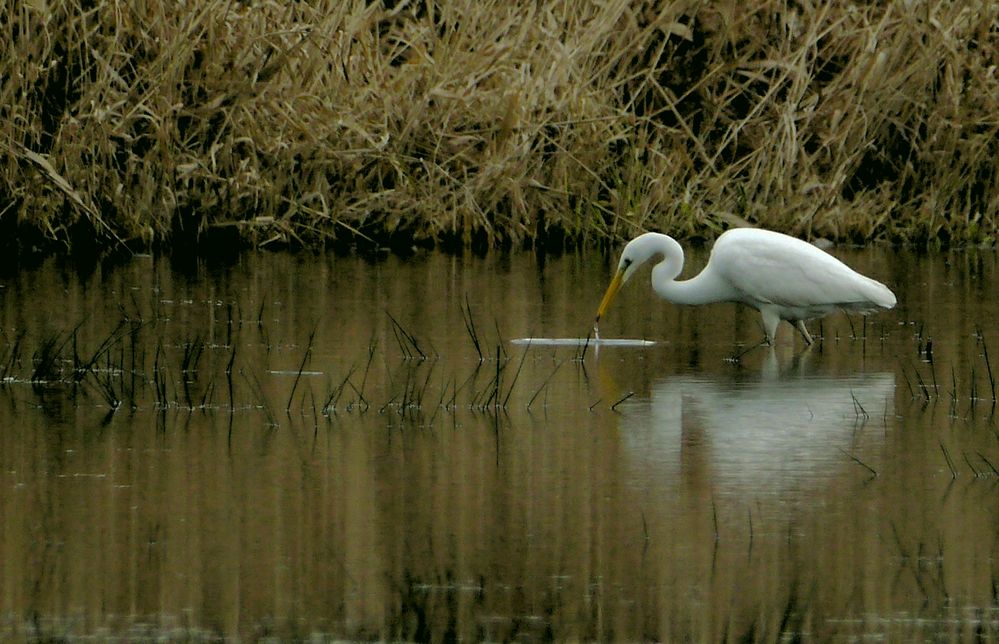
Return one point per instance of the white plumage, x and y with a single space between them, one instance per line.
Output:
782 277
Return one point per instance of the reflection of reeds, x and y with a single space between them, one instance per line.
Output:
45 359
10 356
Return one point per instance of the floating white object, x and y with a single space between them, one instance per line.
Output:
578 342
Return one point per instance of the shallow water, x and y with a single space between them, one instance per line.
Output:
300 445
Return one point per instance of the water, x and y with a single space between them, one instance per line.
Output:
382 461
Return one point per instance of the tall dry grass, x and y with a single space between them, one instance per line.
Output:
484 121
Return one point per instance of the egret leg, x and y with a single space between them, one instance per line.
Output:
770 322
804 332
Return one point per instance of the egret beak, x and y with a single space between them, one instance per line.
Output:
612 290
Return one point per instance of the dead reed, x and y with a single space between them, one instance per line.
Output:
495 123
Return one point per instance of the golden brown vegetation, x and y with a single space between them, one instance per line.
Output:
484 121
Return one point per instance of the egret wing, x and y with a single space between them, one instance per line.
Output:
769 268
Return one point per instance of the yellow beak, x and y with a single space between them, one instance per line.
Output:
612 290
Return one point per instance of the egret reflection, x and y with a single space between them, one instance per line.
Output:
776 429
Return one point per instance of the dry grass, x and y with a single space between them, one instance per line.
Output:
493 122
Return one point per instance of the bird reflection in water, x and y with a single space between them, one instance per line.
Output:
784 427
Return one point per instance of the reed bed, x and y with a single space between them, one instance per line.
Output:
490 123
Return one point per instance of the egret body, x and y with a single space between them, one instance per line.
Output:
782 277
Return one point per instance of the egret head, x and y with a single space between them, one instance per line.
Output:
637 252
624 271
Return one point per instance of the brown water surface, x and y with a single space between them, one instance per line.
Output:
318 446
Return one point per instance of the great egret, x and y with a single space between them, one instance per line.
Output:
781 277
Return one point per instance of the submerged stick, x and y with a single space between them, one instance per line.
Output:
544 384
988 365
594 332
624 398
933 369
859 462
301 368
971 467
516 375
466 316
499 371
921 383
334 397
409 338
988 462
950 463
857 407
255 382
364 378
499 336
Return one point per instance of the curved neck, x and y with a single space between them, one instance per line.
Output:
704 288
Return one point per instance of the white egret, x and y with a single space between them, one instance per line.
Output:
781 277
